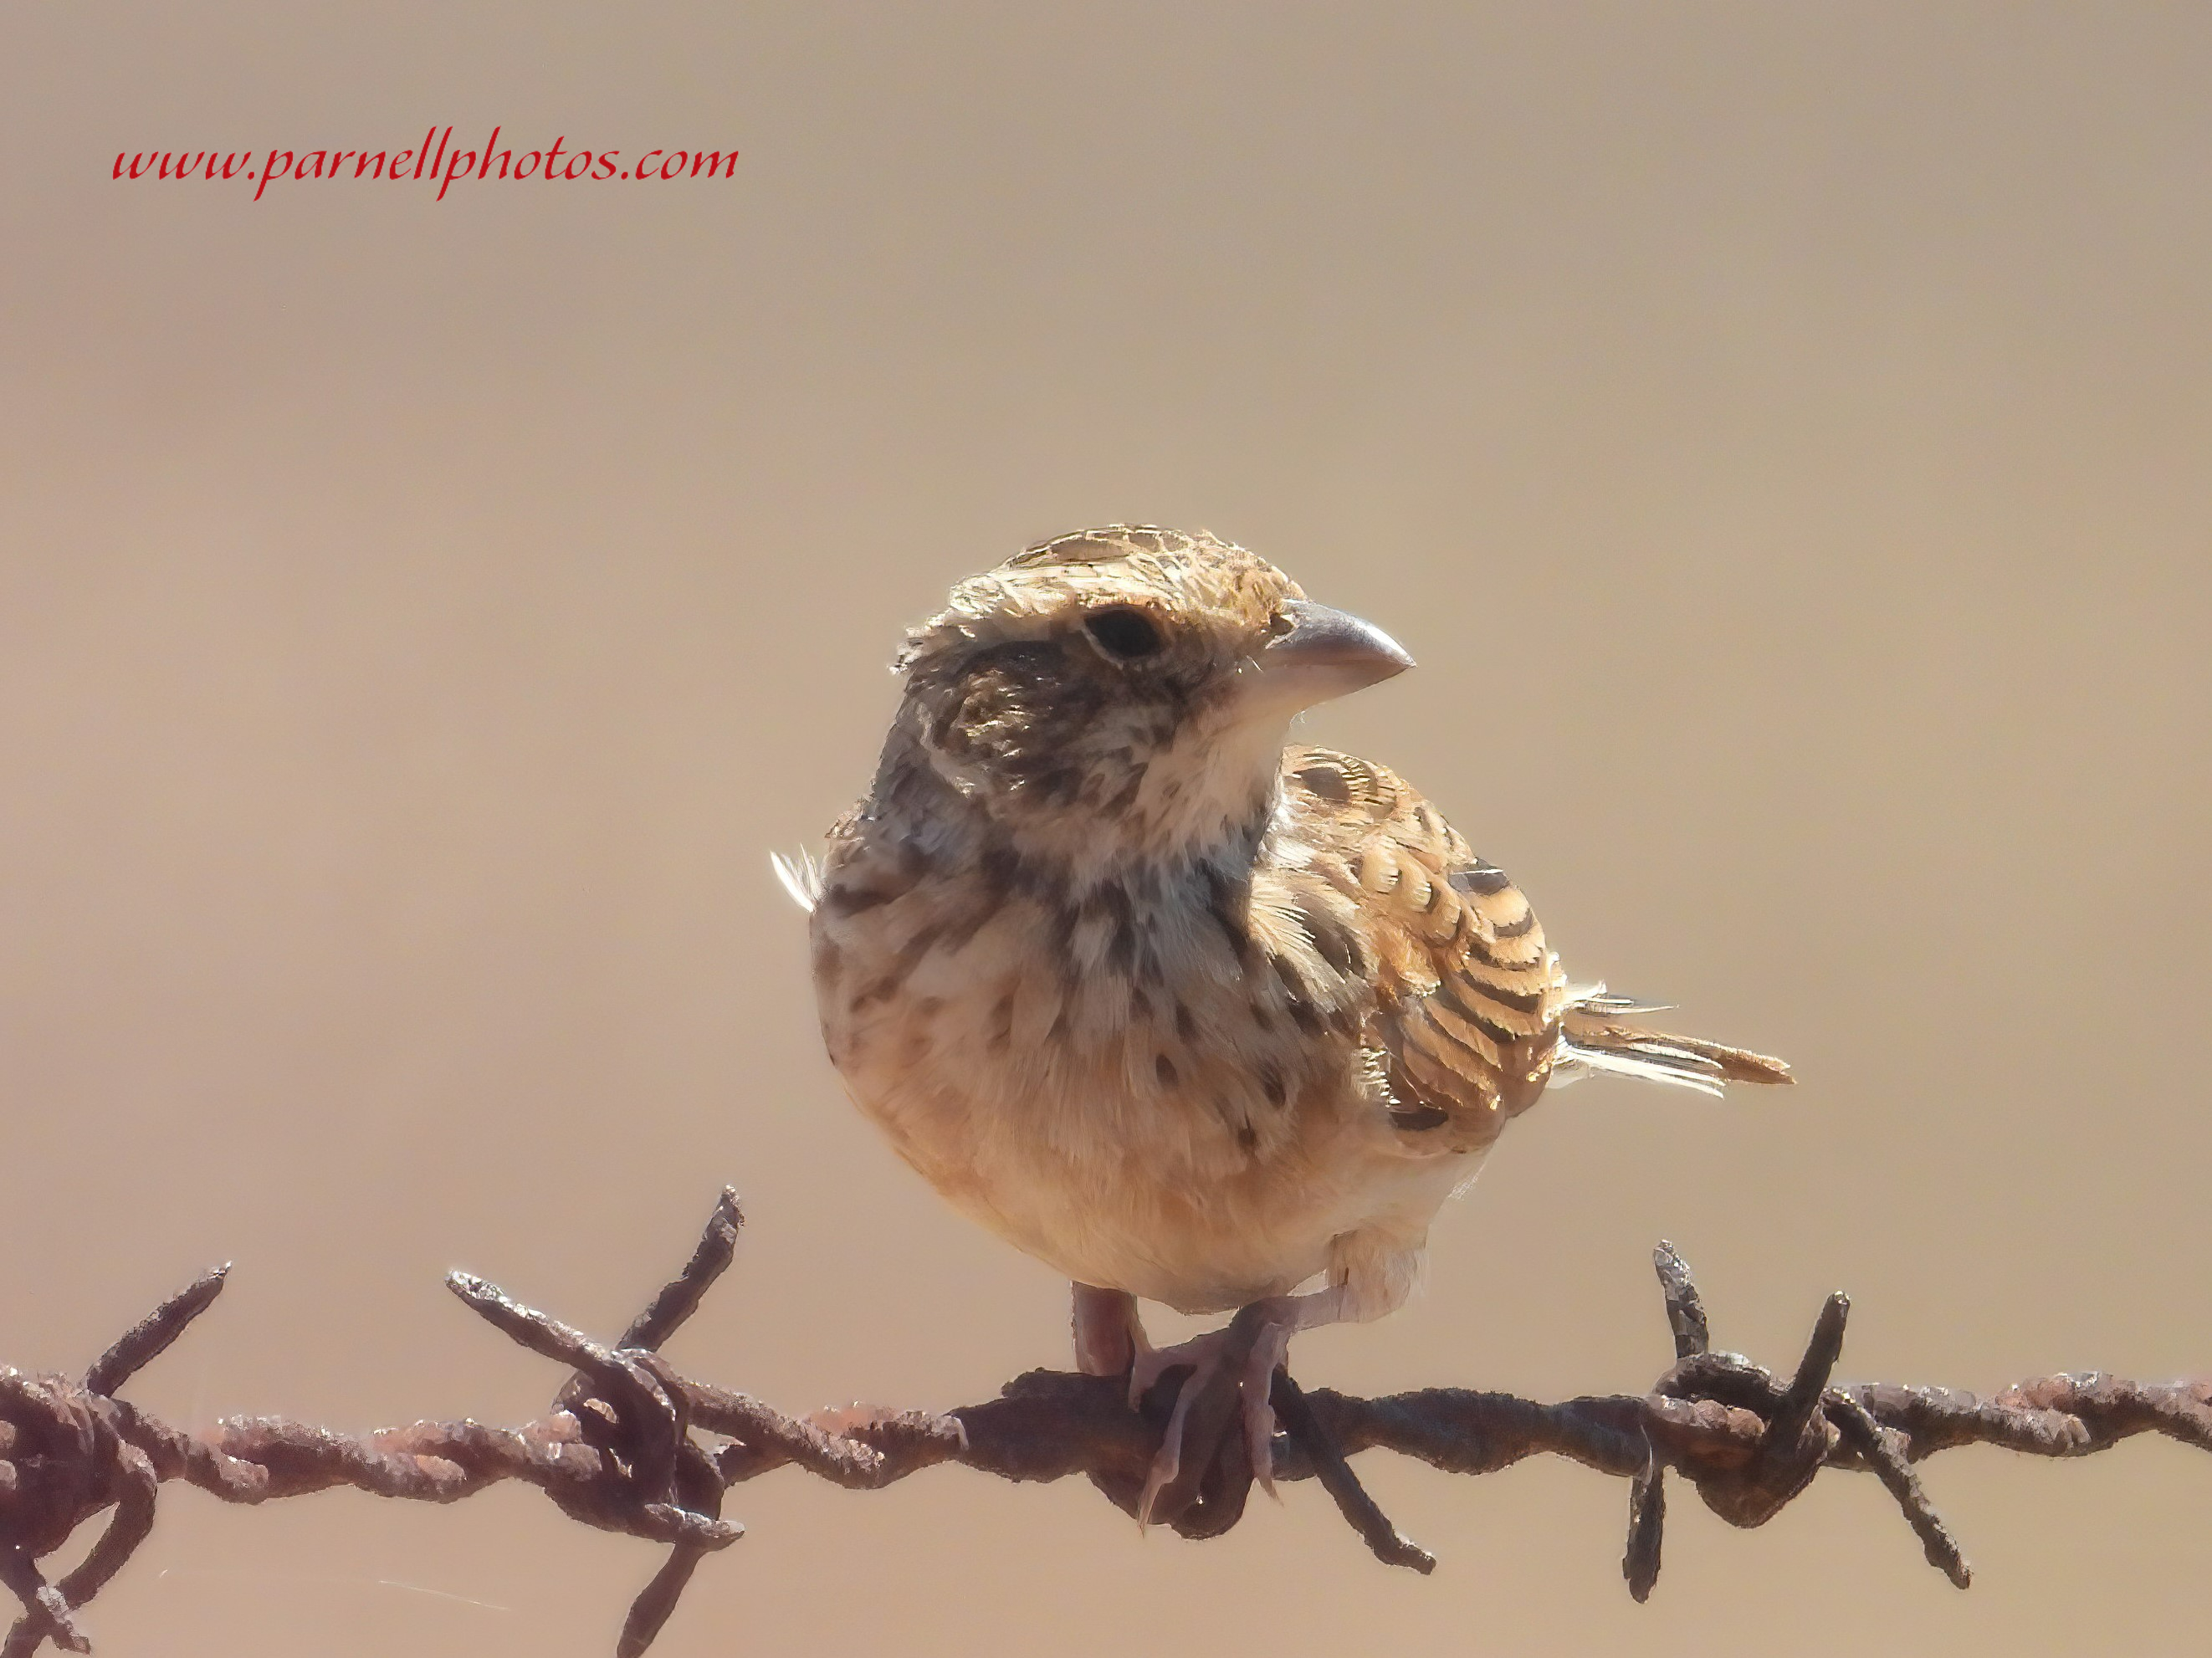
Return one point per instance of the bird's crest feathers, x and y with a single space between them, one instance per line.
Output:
1045 588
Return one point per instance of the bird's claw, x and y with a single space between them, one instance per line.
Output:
1269 1349
1247 1350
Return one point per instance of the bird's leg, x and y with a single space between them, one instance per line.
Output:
1109 1338
1253 1345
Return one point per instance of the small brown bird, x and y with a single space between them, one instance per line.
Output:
1188 1013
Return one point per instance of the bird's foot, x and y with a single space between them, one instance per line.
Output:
1233 1371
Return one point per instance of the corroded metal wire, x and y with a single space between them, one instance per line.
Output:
631 1446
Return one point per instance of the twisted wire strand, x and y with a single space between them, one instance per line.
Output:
621 1447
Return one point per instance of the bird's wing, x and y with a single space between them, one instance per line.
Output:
1469 1000
1472 1014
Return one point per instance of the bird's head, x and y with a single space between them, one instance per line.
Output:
1128 689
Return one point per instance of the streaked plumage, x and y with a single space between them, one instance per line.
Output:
1189 1014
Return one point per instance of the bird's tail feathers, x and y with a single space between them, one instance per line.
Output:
1597 1037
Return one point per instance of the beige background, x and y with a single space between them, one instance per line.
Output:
1780 431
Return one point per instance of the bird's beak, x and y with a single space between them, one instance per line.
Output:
1327 653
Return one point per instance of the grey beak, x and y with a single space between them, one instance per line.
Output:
1320 637
1327 653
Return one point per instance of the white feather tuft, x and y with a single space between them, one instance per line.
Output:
801 877
1598 999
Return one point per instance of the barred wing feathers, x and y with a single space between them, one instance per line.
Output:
1473 1016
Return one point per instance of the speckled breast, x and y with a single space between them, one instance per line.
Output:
1121 1082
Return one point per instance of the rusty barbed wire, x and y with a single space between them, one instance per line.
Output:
620 1448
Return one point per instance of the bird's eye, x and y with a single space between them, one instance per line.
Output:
1123 632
